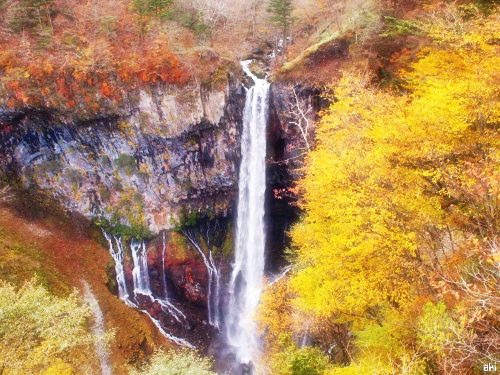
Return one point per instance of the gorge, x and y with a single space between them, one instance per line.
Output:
264 187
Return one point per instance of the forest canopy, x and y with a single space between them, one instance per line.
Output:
398 242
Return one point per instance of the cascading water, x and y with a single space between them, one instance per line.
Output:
213 289
246 280
118 255
216 293
164 273
140 273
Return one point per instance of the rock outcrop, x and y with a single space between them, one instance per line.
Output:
174 150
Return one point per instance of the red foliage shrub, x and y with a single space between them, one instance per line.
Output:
94 55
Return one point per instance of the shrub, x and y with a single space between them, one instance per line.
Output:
182 362
39 331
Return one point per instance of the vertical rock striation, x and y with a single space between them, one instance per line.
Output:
171 148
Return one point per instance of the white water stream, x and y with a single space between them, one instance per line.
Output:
247 277
118 255
214 280
164 272
140 275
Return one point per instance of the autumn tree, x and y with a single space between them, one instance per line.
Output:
40 332
399 235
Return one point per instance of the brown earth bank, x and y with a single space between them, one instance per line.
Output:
61 254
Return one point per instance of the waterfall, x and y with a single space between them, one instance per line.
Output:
213 289
216 292
140 273
164 273
118 255
246 280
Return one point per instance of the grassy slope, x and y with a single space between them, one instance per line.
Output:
61 258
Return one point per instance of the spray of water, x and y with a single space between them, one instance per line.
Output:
246 280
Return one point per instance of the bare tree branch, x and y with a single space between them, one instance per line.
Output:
6 194
298 115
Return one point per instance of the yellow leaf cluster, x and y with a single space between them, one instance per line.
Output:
388 166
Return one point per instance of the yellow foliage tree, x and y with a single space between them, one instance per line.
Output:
398 186
39 332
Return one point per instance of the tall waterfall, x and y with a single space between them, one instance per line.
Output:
246 280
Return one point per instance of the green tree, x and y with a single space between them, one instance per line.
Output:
39 332
281 15
150 8
32 15
157 8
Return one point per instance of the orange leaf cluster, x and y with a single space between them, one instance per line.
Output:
89 64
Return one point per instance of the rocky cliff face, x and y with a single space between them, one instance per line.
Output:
168 160
291 106
171 151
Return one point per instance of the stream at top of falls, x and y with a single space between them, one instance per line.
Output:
246 282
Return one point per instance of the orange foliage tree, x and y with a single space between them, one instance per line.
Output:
81 56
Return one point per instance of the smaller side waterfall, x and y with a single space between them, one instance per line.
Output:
216 292
164 272
140 273
118 256
213 289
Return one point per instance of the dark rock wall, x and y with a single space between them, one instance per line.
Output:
132 167
286 154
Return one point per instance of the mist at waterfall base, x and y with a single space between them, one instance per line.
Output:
231 308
